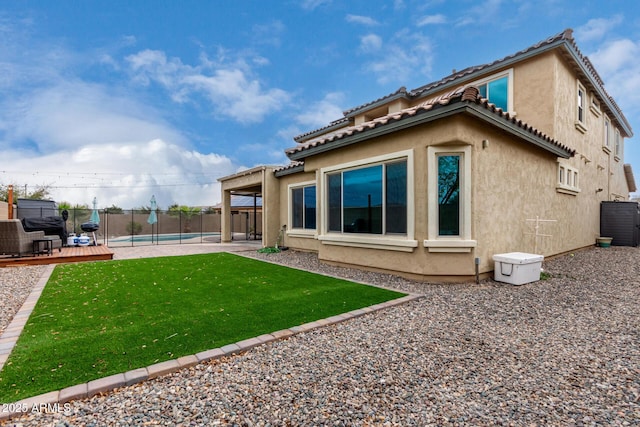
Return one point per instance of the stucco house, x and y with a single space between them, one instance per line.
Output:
511 156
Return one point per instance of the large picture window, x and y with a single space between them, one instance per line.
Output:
369 203
369 200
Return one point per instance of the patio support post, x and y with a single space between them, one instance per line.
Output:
225 224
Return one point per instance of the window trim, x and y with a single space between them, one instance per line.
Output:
581 108
405 242
617 142
462 242
567 179
606 143
509 75
300 232
594 105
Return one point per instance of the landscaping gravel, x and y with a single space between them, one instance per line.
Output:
15 286
562 351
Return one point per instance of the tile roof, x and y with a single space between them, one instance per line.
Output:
293 165
463 95
564 38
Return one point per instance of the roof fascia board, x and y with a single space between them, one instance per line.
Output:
490 69
289 171
614 110
377 104
310 135
439 113
526 55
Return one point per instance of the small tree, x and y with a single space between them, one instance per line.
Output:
186 212
134 228
41 192
113 209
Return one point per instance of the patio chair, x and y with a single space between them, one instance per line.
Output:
15 241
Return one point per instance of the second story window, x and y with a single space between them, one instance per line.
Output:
498 89
606 145
618 146
581 102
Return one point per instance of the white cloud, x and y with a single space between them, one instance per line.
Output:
123 174
76 113
312 4
618 63
230 89
596 29
322 112
616 55
268 34
487 11
370 43
359 19
432 19
86 140
403 57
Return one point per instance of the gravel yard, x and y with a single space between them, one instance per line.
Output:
563 351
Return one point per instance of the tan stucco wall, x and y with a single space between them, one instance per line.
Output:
271 209
259 180
512 180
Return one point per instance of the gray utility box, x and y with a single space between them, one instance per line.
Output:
621 221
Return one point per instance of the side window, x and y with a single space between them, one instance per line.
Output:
303 207
497 92
449 199
581 103
606 144
567 180
369 200
449 195
618 145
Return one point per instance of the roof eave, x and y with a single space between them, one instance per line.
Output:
431 115
289 171
620 118
375 132
520 132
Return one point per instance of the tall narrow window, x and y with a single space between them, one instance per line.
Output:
297 196
310 207
618 144
335 201
396 197
581 103
607 133
449 195
449 199
303 207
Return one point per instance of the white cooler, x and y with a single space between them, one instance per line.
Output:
517 268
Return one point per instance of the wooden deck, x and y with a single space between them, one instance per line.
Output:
68 254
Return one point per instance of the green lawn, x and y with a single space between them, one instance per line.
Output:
102 318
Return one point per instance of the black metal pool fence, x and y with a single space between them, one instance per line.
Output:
140 227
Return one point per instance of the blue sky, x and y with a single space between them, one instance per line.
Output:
120 100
